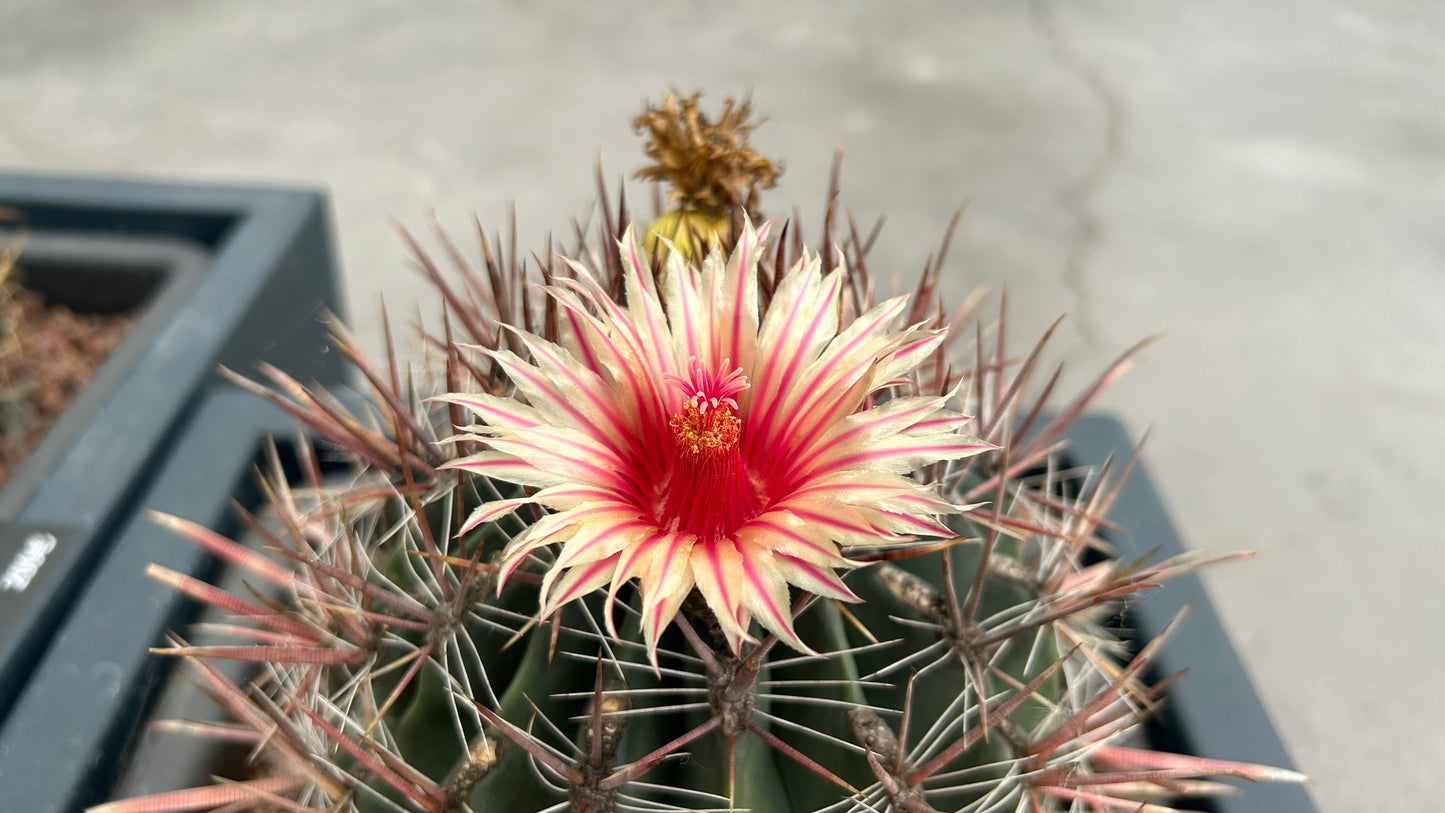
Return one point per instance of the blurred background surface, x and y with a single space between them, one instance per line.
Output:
1264 184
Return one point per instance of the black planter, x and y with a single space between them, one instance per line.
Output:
219 276
88 696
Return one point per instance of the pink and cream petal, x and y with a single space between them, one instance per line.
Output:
904 453
685 309
494 411
617 352
557 498
549 529
570 455
717 569
644 307
539 391
765 594
911 354
491 512
576 583
788 533
899 415
818 579
585 390
802 317
501 466
877 489
605 535
631 563
735 301
664 587
846 524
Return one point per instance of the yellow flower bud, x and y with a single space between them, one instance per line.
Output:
693 233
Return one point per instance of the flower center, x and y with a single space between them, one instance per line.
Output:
706 431
710 493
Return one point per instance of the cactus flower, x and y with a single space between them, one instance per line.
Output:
686 440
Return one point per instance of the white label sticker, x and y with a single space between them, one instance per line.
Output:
27 562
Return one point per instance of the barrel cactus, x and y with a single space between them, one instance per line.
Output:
687 523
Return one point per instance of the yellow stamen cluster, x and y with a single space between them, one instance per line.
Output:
706 429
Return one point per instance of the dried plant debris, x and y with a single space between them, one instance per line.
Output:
48 353
709 165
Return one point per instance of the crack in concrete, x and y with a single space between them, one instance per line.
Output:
1077 197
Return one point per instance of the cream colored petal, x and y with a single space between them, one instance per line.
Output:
500 466
734 301
765 591
665 586
717 569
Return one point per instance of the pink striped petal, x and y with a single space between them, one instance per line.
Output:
492 410
506 467
644 307
569 455
604 536
557 498
735 300
668 582
876 489
816 579
593 398
717 569
685 307
803 318
576 583
901 454
765 594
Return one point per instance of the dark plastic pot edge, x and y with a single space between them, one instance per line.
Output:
234 317
1218 712
89 693
270 276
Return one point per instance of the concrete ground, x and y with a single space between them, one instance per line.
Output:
1262 183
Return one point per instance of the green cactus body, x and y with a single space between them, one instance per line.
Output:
703 543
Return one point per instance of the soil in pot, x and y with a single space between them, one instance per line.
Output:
48 353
